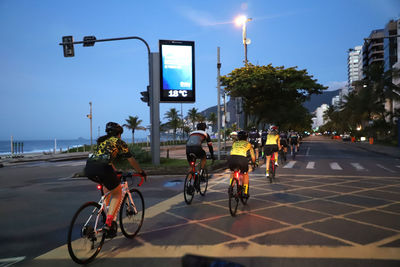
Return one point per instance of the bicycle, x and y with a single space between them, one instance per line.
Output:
272 168
86 235
293 150
194 182
282 156
236 192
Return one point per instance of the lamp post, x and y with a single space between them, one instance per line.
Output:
242 21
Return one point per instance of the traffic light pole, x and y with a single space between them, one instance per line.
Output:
154 83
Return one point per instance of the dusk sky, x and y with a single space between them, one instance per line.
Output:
45 96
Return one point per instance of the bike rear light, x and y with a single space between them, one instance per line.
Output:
99 186
192 163
236 174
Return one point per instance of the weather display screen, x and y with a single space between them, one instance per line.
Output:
177 71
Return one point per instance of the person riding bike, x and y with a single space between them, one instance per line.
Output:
264 135
100 168
233 136
272 145
238 158
293 139
284 140
194 145
253 139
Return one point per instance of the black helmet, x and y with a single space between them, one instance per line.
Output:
201 126
113 128
242 135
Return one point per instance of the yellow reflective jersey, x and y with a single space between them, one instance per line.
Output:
272 139
241 147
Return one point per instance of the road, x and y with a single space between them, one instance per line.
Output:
333 205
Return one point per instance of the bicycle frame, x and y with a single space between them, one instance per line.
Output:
102 201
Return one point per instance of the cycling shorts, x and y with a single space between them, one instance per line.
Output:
269 149
238 162
284 143
293 141
102 173
197 150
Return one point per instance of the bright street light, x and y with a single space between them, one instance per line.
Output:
242 21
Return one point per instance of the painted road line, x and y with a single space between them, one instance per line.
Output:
398 166
290 164
335 166
10 261
308 151
310 165
386 169
357 166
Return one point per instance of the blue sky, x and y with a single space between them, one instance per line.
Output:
45 96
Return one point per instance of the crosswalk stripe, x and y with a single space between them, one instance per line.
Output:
383 167
290 164
358 166
398 166
335 166
310 165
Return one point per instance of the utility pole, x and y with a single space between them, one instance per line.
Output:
219 103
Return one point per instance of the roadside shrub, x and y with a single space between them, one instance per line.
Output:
139 154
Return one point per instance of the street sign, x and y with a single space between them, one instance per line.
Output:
177 71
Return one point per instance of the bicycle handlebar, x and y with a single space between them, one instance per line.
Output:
124 175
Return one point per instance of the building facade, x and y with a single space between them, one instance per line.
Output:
372 51
354 60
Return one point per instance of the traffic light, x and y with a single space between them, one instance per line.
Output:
68 48
89 40
146 96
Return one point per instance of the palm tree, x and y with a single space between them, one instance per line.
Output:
133 123
174 122
213 118
193 116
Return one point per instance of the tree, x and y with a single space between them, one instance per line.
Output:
213 118
133 123
193 116
174 122
273 94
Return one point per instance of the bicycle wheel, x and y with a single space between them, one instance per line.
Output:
233 192
293 152
188 188
85 235
271 170
131 213
203 182
244 199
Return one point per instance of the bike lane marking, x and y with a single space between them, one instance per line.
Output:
310 165
290 164
335 166
386 169
11 261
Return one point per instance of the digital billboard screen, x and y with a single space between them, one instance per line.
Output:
177 71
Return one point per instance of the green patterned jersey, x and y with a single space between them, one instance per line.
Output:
111 149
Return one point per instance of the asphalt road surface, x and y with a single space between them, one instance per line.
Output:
334 205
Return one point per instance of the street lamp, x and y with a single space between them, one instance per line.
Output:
242 21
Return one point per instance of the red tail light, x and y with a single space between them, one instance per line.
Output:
192 163
237 175
99 186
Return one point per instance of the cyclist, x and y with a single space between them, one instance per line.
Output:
272 145
264 135
284 141
233 136
253 138
100 169
238 158
194 145
293 139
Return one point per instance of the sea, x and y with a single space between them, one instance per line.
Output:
39 146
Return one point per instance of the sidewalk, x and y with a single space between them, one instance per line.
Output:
390 151
31 157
